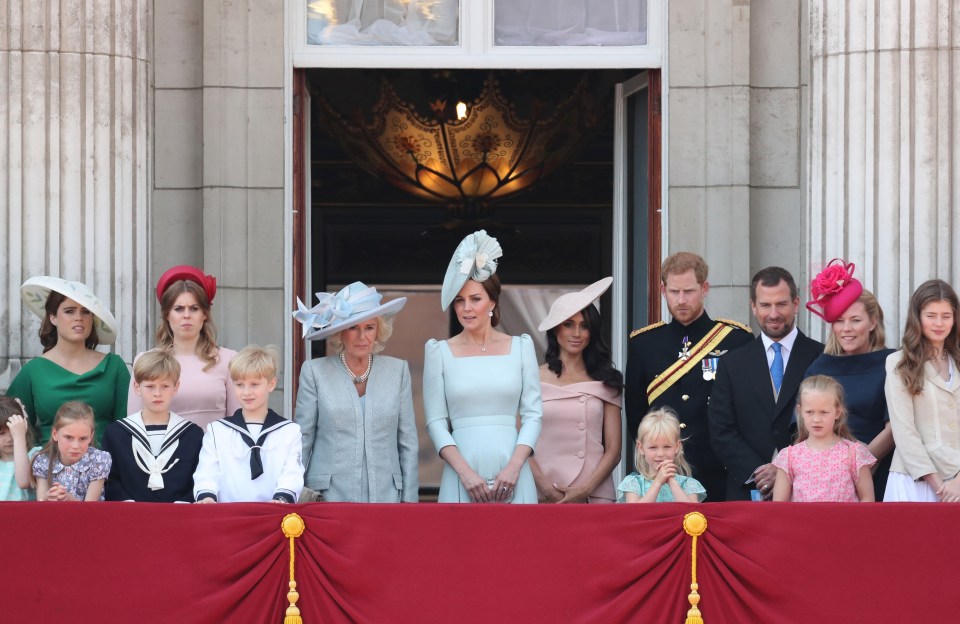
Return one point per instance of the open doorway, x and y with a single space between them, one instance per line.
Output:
560 234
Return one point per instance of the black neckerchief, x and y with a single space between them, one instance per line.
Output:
271 423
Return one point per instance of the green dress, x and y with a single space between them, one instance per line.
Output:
43 386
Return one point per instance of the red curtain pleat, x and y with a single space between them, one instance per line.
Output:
757 562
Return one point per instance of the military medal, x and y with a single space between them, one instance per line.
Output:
709 366
685 353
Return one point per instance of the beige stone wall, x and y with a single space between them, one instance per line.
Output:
218 189
885 144
74 160
736 141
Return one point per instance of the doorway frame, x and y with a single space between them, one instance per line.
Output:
297 162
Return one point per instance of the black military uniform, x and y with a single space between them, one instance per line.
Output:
661 350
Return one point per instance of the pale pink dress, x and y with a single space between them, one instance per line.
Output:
571 436
204 395
824 475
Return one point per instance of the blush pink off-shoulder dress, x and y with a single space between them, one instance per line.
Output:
571 435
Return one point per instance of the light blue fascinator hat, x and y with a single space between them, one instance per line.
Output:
335 312
475 258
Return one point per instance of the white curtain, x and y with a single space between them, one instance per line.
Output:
570 22
382 22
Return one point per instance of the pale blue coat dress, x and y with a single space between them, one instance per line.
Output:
473 403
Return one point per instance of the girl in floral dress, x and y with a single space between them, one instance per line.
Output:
68 468
827 464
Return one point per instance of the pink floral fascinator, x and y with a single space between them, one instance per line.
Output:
834 290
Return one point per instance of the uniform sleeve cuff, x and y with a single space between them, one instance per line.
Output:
284 497
203 495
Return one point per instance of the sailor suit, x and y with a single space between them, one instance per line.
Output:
239 466
152 463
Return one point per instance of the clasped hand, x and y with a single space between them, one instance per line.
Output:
58 492
665 471
499 491
949 492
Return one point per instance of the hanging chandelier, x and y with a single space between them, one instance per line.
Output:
465 154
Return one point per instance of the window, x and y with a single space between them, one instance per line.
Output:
539 34
570 23
383 22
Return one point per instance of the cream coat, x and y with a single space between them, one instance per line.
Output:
926 426
342 440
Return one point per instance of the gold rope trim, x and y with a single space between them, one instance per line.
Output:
695 524
662 382
647 328
292 526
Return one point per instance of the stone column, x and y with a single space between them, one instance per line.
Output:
74 160
243 167
736 141
884 168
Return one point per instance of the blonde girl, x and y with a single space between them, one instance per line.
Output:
664 474
69 468
16 438
826 464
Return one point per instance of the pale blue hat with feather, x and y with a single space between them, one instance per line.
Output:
335 312
475 258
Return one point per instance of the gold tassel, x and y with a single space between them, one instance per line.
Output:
293 527
695 524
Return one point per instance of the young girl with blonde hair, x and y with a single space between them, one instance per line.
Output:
664 474
827 464
68 468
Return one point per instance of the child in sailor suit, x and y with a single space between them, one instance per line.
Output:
253 455
154 451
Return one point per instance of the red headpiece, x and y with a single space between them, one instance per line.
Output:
189 273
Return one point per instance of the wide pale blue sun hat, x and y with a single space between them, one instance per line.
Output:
475 258
35 291
335 312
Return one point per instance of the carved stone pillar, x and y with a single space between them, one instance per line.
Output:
74 160
884 147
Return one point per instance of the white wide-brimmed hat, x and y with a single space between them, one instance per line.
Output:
336 312
35 291
569 304
475 258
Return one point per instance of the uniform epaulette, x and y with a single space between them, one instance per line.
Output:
647 328
745 328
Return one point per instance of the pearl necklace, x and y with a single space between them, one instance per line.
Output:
362 378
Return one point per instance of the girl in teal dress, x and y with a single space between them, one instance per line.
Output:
73 323
664 474
15 452
476 383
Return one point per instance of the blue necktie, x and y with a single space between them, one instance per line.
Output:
776 369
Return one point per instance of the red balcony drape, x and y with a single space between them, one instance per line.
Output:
758 562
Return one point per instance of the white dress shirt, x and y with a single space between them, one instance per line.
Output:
786 347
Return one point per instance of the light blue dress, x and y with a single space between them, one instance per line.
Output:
473 403
640 485
9 490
